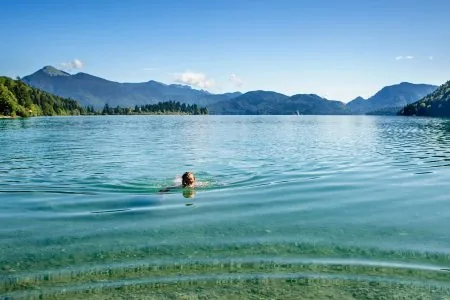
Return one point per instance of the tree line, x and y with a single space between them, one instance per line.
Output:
160 108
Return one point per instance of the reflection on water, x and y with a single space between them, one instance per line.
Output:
323 207
189 193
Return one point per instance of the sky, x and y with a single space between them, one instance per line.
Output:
336 49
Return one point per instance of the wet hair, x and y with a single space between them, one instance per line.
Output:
185 180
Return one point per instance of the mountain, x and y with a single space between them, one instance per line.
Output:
436 104
359 105
51 71
250 103
91 90
19 99
310 104
272 103
390 97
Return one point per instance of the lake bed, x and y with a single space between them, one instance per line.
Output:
343 207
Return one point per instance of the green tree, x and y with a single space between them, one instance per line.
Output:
8 102
28 101
105 110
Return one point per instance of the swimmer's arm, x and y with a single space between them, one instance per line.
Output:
169 188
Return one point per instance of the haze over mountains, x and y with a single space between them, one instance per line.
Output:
95 91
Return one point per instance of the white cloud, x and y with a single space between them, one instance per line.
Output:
401 57
238 82
194 79
71 65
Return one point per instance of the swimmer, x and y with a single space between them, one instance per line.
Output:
188 181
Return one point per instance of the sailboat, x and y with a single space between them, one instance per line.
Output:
298 114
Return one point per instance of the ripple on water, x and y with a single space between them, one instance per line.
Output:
331 205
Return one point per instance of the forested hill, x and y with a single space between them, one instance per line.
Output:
436 104
19 99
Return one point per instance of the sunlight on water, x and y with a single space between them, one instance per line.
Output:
338 207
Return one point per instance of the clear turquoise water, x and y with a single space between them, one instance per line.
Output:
342 201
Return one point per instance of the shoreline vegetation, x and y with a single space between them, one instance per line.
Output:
161 108
17 99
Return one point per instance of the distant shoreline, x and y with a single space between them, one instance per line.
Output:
93 115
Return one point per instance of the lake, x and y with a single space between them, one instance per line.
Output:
312 207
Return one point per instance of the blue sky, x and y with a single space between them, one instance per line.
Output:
336 49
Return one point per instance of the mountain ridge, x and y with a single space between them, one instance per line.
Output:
262 102
95 91
391 96
91 90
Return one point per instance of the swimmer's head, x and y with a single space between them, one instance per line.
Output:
188 179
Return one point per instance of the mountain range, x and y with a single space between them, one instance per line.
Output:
272 103
95 91
90 90
391 97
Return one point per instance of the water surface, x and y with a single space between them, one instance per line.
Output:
345 207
